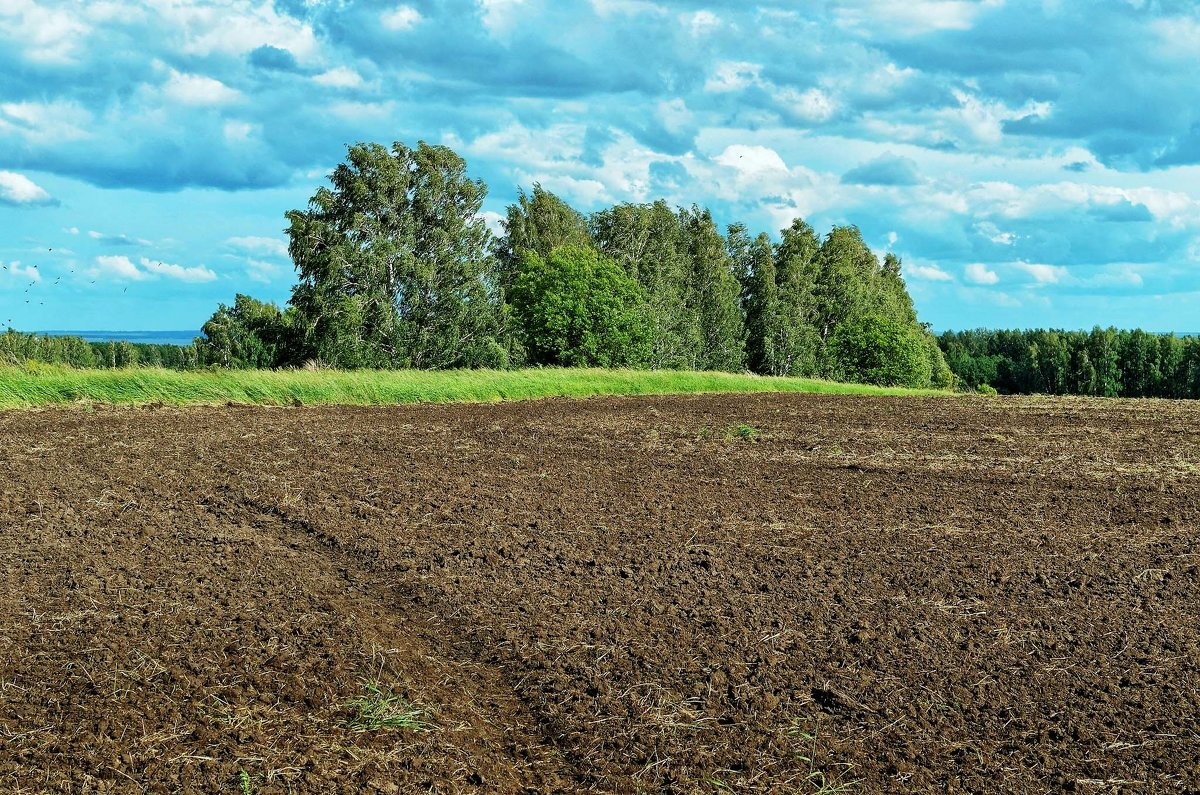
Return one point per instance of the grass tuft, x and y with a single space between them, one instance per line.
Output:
26 387
379 709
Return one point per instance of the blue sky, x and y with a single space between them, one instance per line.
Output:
1035 163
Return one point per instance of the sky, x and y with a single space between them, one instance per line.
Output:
1035 163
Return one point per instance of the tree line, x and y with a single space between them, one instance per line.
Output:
396 268
17 347
1102 362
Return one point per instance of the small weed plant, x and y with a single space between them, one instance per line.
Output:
746 432
380 709
831 781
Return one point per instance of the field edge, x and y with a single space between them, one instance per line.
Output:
38 386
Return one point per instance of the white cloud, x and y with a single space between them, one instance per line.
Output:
19 189
733 76
260 271
608 8
339 77
1044 274
751 160
401 18
259 245
38 122
234 27
499 16
357 111
812 105
19 272
993 233
494 221
929 273
978 273
910 18
701 22
45 34
195 274
192 89
236 131
674 114
119 267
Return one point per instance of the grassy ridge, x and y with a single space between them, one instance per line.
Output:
44 385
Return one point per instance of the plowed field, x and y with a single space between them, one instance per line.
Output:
702 594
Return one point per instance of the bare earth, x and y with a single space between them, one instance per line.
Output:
610 595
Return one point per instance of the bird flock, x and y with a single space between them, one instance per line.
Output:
30 297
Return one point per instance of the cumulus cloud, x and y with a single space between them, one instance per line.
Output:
17 272
1019 131
122 268
254 244
978 273
197 273
18 189
930 272
116 240
261 271
119 267
401 18
887 170
1042 273
198 90
339 77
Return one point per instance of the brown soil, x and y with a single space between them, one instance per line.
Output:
612 595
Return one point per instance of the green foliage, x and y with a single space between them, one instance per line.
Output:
1102 362
649 242
746 432
842 289
540 223
874 349
795 339
16 348
394 264
714 292
940 374
250 334
578 308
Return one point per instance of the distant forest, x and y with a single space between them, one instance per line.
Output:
1103 362
397 269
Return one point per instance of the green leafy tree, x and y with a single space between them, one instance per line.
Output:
874 349
249 334
648 241
940 374
797 342
539 222
395 264
845 270
714 294
1104 352
761 297
578 308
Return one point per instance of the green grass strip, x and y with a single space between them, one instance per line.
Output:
42 385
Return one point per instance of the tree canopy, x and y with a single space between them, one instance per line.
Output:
396 268
393 263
